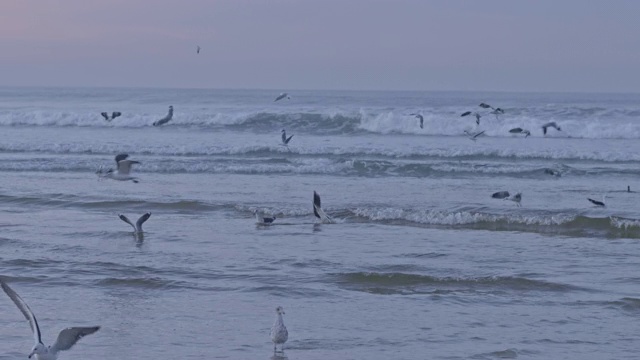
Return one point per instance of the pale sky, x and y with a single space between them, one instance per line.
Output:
496 45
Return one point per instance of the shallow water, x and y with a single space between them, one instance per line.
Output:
422 262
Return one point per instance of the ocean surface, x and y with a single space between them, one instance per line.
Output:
421 263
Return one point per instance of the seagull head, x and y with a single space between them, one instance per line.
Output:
280 310
38 350
282 130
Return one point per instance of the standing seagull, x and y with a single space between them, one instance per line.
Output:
317 210
165 119
279 333
66 338
285 139
198 49
114 115
598 203
282 96
476 114
419 116
137 228
263 220
122 171
550 124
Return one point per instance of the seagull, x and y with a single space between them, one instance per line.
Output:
114 115
282 96
517 198
552 172
285 139
198 49
122 170
500 195
137 228
598 203
317 210
496 111
520 131
66 338
477 115
279 333
419 116
550 124
473 135
165 119
263 220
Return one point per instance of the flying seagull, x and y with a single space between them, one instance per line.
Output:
282 96
419 116
285 139
123 169
500 195
114 115
550 124
517 198
598 203
165 119
317 210
520 131
66 338
263 220
137 228
496 111
279 333
473 135
476 114
198 49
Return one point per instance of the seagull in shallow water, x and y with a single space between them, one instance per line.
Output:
165 119
317 210
66 338
114 115
279 333
419 116
598 203
285 139
263 220
123 169
137 228
550 124
282 96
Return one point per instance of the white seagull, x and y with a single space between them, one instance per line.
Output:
550 124
137 228
113 115
279 333
263 220
598 203
517 198
317 210
165 119
66 338
285 139
123 169
282 96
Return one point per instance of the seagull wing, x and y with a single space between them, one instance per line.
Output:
466 113
115 114
284 137
484 106
124 166
105 116
120 157
478 134
70 336
126 219
26 311
280 97
141 221
317 210
286 141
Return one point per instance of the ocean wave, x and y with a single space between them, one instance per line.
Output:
577 122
